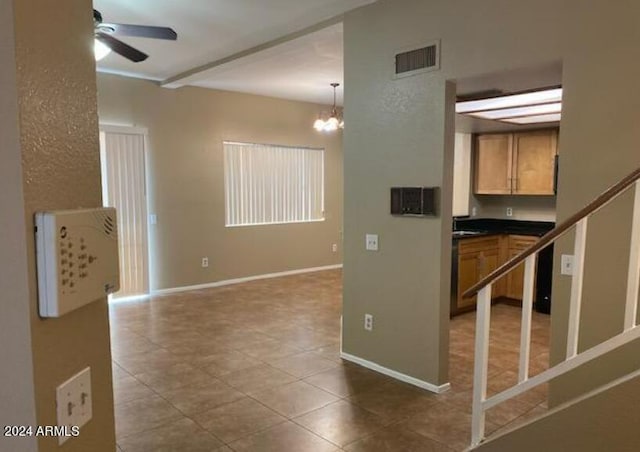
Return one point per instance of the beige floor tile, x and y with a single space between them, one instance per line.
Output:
396 438
295 399
182 435
143 414
283 437
128 388
238 419
181 345
227 362
341 423
198 398
395 401
347 380
256 379
174 377
304 364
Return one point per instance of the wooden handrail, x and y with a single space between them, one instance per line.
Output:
555 233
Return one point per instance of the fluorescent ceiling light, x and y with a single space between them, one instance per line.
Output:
514 100
516 112
537 119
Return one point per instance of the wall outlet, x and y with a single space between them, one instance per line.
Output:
474 211
334 248
205 262
153 218
73 403
368 322
371 242
509 212
566 264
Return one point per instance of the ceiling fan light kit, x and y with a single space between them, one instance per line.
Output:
105 42
334 121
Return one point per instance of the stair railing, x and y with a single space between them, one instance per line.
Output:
631 330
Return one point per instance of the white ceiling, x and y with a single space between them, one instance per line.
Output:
281 48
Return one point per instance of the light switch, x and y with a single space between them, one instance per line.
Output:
566 264
73 402
371 242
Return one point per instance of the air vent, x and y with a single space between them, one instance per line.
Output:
415 61
109 225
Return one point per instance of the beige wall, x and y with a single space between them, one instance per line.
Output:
17 395
58 145
186 180
395 136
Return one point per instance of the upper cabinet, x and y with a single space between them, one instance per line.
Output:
516 163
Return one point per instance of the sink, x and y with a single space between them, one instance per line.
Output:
467 233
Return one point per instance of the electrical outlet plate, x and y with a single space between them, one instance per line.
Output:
566 264
509 211
371 242
334 247
205 262
368 322
74 402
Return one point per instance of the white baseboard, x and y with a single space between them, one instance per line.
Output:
228 282
395 374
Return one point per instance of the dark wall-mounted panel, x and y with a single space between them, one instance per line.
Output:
414 201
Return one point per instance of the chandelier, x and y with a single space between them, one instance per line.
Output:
334 122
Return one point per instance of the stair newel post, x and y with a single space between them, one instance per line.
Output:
576 287
633 281
481 364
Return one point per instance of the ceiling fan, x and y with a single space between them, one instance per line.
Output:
105 32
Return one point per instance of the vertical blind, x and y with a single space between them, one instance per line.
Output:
123 187
267 184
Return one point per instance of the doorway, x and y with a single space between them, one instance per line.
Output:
122 158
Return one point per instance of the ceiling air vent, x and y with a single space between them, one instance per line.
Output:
416 61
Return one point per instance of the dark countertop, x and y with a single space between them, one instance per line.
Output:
477 227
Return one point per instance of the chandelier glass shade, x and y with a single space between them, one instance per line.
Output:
334 121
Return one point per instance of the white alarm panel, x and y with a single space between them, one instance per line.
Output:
77 254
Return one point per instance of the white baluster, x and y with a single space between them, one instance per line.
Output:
527 308
481 364
633 281
576 287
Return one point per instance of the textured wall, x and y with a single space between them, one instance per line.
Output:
61 170
186 180
17 398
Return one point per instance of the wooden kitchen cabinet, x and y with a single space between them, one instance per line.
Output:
516 163
515 278
477 257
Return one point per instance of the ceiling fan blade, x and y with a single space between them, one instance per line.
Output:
139 31
121 48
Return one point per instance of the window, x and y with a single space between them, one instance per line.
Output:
267 184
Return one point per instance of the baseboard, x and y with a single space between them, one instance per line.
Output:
395 374
228 282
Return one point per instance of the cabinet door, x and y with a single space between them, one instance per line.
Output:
468 275
515 278
533 162
493 164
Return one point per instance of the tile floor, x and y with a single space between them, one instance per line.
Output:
256 367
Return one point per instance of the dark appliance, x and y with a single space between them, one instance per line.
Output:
544 277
